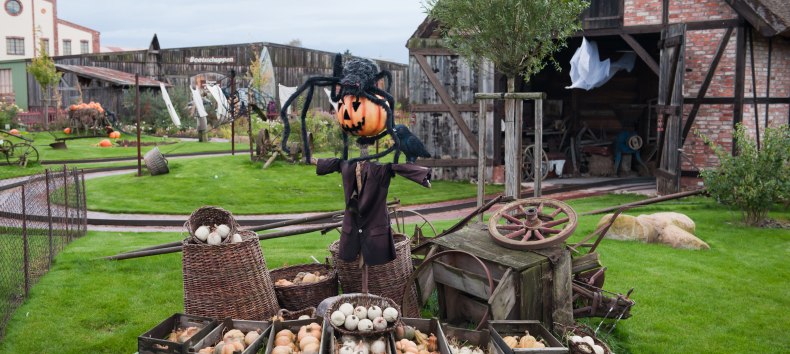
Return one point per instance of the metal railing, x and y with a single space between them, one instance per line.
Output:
38 218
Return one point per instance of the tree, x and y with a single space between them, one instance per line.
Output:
296 42
42 67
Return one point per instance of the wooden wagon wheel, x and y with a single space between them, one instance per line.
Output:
532 223
401 219
528 163
635 142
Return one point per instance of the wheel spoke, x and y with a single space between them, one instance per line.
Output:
527 236
512 219
515 234
510 227
555 222
539 235
547 230
555 213
540 208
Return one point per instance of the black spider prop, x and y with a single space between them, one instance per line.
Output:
357 78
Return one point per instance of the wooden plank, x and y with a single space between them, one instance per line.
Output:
460 279
425 280
585 263
740 75
473 310
431 51
670 93
703 90
430 108
447 162
481 156
537 188
503 299
475 240
532 294
642 29
510 95
562 292
643 54
437 85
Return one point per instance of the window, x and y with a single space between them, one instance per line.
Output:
15 45
67 47
45 42
13 7
84 47
6 85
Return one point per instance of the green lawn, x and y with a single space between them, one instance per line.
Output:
244 188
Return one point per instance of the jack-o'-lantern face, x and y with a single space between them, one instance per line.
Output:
360 116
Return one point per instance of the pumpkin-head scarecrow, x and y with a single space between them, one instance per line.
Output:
363 109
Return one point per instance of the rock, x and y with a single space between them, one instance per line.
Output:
628 228
664 219
679 238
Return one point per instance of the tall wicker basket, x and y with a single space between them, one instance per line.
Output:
386 280
229 280
156 162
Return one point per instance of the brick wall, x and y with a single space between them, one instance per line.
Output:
648 12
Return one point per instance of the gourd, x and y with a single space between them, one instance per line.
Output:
67 131
374 312
379 323
338 318
360 116
390 314
202 233
365 325
347 309
311 348
105 143
234 334
527 341
282 350
351 322
361 312
307 340
510 341
251 337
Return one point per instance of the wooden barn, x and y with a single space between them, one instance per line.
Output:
178 67
702 66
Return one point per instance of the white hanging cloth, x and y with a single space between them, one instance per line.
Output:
589 72
285 93
329 94
222 102
197 100
169 104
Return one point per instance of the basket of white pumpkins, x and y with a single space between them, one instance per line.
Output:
364 315
212 225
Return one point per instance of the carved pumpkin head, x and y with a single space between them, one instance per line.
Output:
360 116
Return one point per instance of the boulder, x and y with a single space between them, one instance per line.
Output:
664 219
628 228
677 237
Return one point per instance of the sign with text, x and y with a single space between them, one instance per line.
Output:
210 60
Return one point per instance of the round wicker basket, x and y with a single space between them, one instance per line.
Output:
155 162
366 300
210 216
298 296
229 280
387 280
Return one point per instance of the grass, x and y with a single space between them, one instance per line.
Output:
244 188
730 298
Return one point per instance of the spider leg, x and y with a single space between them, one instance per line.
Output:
317 80
384 74
345 146
305 108
390 117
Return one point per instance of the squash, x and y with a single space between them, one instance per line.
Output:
105 143
527 341
234 334
510 341
311 348
360 116
286 333
307 340
283 340
67 131
13 132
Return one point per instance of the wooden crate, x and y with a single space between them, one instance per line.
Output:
429 326
294 327
501 329
528 285
330 338
215 336
480 339
154 342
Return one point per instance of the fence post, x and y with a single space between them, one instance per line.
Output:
49 217
84 204
67 219
77 192
25 251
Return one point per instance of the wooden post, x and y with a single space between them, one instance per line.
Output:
137 105
233 137
481 156
538 153
512 145
768 80
25 251
740 74
67 212
49 216
754 90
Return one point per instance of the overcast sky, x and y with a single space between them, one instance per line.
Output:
369 28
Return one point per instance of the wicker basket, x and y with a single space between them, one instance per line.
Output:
155 162
209 215
228 280
365 300
387 280
298 296
294 315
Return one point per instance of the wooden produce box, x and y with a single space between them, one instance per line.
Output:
429 326
501 329
527 285
480 339
216 335
330 345
294 326
154 341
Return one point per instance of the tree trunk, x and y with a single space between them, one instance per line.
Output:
512 144
46 107
202 131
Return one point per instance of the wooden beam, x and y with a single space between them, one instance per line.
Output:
447 162
705 84
511 95
437 85
740 74
730 100
651 63
431 108
641 29
432 51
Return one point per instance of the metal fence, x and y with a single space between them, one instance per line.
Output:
39 216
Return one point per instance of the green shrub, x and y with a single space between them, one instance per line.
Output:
753 180
153 111
8 112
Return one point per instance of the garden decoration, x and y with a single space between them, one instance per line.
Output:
18 154
89 117
410 145
532 223
364 109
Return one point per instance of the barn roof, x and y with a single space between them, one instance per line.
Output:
769 17
114 77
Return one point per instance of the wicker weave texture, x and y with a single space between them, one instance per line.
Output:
367 301
228 280
156 162
299 296
386 280
210 216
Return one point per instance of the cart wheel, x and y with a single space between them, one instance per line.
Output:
404 221
528 161
635 142
6 146
22 154
532 223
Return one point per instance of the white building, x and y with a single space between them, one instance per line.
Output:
24 22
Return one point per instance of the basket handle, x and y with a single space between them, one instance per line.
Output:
413 276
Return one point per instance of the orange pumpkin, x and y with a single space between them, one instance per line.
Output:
14 132
67 131
115 135
360 116
105 143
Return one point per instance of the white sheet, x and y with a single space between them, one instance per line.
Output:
285 93
329 94
588 71
222 102
197 100
169 104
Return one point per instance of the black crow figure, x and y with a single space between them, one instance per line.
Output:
410 145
